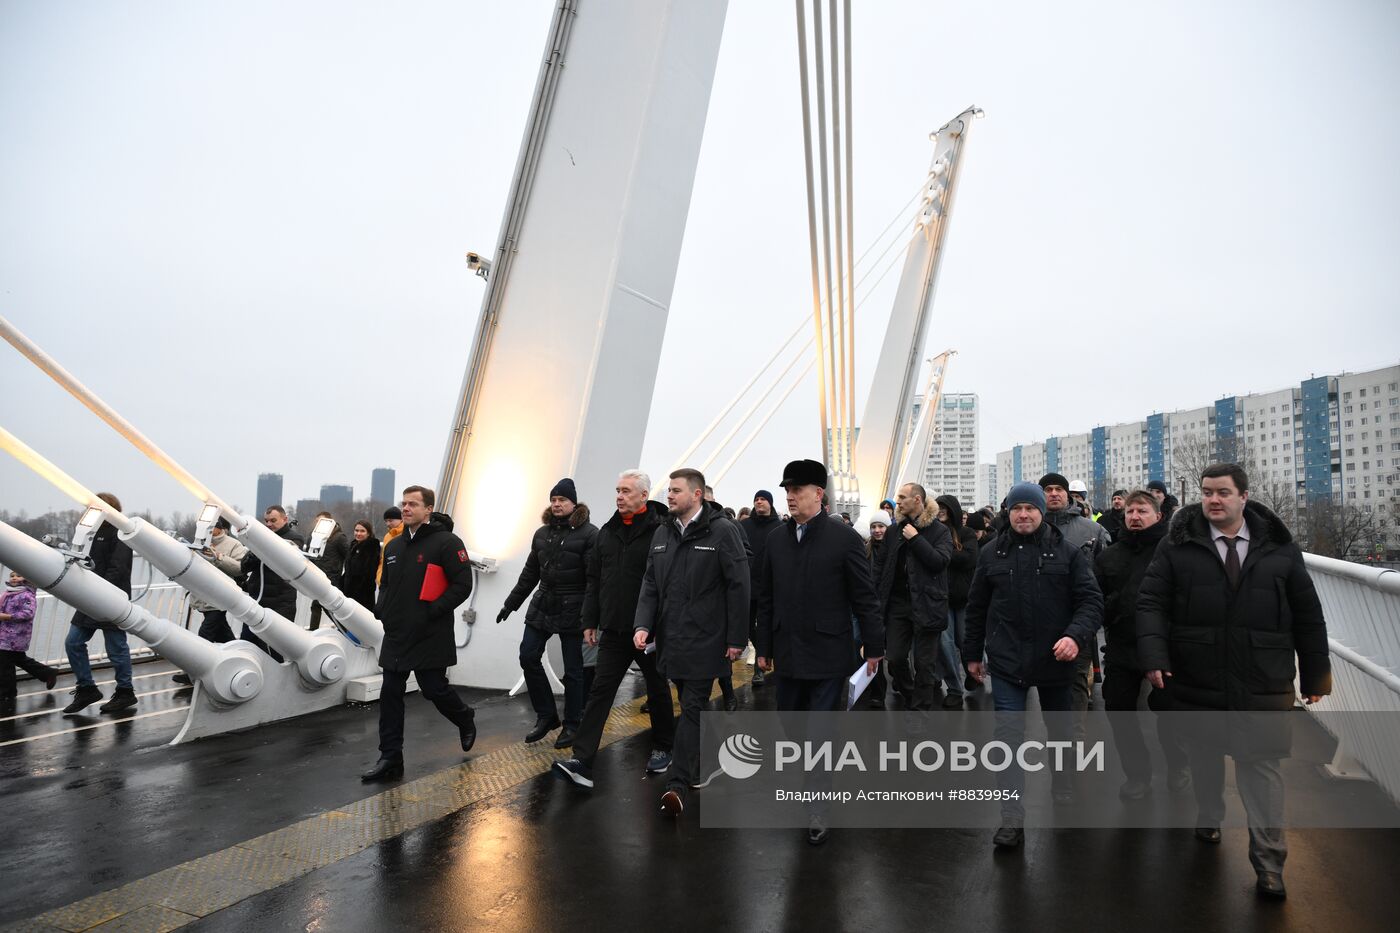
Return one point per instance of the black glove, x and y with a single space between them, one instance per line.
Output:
505 611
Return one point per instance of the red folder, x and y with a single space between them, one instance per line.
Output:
434 583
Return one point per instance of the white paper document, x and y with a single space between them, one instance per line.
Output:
858 682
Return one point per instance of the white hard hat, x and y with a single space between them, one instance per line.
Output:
1077 485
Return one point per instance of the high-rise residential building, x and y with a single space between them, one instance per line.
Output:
986 485
951 465
1329 437
381 486
336 495
269 492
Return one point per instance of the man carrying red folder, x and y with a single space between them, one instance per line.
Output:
427 575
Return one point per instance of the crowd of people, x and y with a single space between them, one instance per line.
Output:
1193 604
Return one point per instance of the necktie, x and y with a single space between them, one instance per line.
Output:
800 530
1232 563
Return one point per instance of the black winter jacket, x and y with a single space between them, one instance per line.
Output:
1232 649
616 565
418 632
558 563
810 590
111 560
268 589
925 564
332 559
756 531
695 595
1112 521
361 565
1028 593
961 566
1119 569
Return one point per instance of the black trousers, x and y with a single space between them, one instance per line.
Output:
1121 688
214 627
9 660
903 635
815 695
615 655
432 683
685 756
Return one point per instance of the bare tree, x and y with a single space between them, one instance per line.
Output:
1343 531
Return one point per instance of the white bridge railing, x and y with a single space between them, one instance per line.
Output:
1362 607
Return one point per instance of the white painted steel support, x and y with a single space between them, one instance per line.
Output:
560 377
286 561
885 424
319 656
232 672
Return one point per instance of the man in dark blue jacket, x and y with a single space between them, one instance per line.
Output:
1033 608
427 575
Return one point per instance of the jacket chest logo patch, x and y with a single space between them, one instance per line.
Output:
659 547
462 555
699 548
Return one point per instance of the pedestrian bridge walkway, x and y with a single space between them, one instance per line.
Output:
270 829
105 826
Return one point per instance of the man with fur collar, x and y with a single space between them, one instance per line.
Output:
1225 606
558 564
911 577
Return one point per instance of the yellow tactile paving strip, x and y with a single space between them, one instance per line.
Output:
171 898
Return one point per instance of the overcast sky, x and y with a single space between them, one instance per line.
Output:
243 224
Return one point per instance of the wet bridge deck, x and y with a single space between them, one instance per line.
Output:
104 827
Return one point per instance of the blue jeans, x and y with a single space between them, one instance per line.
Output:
117 652
532 645
1010 698
949 666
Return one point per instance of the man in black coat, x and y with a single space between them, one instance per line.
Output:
1113 520
912 581
558 564
1224 607
267 588
756 528
695 605
111 560
616 565
1119 569
427 575
815 578
1032 610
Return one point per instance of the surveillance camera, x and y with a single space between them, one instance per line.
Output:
481 267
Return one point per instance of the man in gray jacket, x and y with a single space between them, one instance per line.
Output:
226 554
1091 538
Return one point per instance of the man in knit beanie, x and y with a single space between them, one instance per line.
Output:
1034 608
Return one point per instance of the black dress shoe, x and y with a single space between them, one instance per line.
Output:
1208 834
385 769
542 728
566 739
817 834
1270 884
183 678
731 704
466 728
